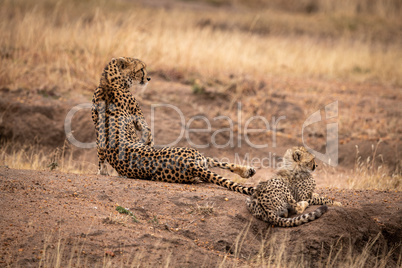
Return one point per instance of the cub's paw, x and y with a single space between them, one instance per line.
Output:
249 172
283 213
315 195
301 206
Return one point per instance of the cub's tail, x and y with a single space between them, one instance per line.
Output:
304 218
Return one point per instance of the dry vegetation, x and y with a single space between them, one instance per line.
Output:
272 254
65 43
36 158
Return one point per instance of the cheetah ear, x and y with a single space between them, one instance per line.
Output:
139 65
122 63
297 156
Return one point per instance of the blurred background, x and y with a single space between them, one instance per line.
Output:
277 58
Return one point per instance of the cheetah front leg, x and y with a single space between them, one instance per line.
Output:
98 116
102 168
242 171
146 135
320 200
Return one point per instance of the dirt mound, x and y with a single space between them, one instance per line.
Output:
51 215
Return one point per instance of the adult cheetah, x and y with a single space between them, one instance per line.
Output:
117 118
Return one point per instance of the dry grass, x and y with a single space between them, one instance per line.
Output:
34 157
370 173
272 254
65 44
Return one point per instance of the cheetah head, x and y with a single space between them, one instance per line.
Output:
125 72
298 158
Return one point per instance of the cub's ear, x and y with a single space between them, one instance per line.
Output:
297 156
122 63
138 65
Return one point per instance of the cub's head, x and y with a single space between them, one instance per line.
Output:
298 158
125 72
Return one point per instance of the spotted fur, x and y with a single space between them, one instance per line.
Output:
290 189
117 118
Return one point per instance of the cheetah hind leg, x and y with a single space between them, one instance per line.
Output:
256 210
319 200
242 171
284 213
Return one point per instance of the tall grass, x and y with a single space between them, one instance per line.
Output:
371 173
37 158
65 44
273 253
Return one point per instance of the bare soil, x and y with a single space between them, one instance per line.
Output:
185 225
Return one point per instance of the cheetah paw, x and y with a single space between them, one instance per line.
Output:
301 206
250 171
103 170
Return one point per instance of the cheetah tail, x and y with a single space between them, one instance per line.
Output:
212 162
221 181
304 218
235 187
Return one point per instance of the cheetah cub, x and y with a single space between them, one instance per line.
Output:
291 188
